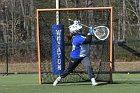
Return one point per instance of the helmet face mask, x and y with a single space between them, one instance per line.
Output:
76 27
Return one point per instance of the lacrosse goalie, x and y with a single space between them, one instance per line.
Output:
79 53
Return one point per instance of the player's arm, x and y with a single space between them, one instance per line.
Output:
88 39
89 36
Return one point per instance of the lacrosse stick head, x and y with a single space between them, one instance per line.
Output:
101 32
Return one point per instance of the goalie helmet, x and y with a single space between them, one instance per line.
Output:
75 28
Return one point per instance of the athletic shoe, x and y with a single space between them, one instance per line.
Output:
94 83
56 81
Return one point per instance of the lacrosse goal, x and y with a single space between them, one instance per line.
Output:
100 51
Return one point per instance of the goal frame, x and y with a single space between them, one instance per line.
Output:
73 9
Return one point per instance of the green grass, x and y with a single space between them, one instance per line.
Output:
123 83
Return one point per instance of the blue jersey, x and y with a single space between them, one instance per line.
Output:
78 48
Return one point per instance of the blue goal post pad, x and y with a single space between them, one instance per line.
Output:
58 49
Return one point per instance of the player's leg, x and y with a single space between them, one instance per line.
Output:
72 65
56 81
89 70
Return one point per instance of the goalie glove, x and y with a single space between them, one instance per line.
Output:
91 30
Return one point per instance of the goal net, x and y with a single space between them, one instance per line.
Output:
100 51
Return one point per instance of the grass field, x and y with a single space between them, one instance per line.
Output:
123 83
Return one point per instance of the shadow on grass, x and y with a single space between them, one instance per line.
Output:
127 82
82 84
